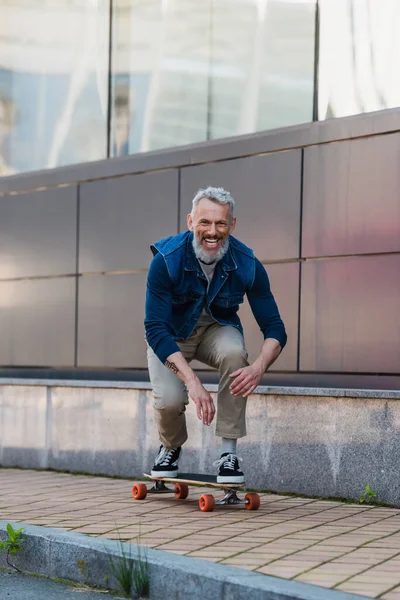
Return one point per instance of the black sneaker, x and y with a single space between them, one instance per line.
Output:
166 463
228 469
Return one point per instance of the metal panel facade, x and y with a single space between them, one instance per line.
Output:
267 193
350 317
38 233
284 279
110 321
349 205
352 197
121 217
37 322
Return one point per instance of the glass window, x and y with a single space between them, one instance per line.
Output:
359 56
53 83
262 64
160 74
183 71
186 71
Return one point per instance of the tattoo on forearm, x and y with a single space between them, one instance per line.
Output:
171 366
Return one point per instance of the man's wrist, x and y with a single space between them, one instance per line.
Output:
260 365
269 354
192 380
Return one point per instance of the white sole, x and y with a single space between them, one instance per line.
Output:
164 473
230 479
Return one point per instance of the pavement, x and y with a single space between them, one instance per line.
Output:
14 586
349 547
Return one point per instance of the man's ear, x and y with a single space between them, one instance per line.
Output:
233 225
190 222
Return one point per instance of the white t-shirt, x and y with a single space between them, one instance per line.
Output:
208 270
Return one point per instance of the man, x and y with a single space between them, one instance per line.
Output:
196 282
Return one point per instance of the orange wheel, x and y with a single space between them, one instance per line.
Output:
252 501
139 491
181 491
206 503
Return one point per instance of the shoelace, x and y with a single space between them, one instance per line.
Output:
164 458
228 461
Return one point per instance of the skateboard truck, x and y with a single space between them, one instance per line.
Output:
159 487
230 497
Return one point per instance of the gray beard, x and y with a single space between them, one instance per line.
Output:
204 257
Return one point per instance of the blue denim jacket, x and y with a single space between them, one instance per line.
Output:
177 292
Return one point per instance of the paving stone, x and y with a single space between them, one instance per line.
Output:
367 589
287 537
392 595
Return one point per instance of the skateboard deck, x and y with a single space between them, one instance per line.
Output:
196 479
207 502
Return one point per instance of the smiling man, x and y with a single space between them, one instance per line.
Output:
196 282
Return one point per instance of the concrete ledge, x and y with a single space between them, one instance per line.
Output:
261 389
54 553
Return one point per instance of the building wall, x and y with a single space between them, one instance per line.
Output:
319 203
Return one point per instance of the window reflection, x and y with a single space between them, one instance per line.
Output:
287 82
160 73
262 64
183 71
359 56
53 83
7 122
124 115
129 98
186 71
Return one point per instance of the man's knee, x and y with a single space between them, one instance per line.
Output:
170 400
235 356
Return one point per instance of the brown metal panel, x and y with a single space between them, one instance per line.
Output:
267 194
38 233
120 218
110 321
352 197
37 322
284 279
350 318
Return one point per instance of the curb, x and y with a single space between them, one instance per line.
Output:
83 559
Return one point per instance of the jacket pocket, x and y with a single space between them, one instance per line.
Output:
182 302
185 297
228 300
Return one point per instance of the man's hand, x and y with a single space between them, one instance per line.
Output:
245 380
205 408
204 403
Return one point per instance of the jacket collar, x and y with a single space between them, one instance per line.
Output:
227 263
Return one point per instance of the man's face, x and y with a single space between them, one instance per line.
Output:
211 224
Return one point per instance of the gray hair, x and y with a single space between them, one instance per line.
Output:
218 195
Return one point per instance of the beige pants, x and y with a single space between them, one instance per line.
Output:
220 347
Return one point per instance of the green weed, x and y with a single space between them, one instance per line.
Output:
368 493
12 544
132 573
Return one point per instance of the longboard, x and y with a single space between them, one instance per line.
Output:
196 479
207 502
